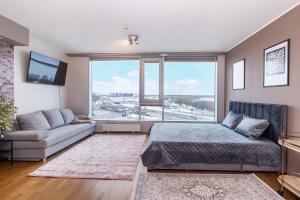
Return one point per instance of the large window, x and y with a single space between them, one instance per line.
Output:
151 80
189 92
149 89
115 90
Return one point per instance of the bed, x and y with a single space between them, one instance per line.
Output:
211 146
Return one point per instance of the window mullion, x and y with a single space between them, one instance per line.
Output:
161 86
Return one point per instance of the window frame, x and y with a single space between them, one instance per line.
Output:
155 102
151 102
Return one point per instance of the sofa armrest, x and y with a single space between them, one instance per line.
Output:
27 135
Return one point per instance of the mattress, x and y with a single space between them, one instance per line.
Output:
179 143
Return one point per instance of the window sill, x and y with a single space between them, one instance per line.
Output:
153 121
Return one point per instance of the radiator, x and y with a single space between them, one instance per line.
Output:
121 128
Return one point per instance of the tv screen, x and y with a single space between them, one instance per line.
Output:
45 70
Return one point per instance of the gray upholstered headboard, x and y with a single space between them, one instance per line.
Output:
274 113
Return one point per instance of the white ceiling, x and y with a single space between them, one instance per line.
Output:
87 26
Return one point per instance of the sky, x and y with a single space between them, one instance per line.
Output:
180 78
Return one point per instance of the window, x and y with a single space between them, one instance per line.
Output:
151 77
115 90
150 89
189 91
151 82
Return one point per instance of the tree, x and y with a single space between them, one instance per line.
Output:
7 111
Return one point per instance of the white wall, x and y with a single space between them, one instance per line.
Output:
32 97
77 85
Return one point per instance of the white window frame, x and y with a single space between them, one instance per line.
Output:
160 100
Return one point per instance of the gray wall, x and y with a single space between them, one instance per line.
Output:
13 33
286 27
77 85
220 87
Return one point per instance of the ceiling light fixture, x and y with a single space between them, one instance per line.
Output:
125 27
133 40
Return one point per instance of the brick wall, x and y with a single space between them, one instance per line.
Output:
7 69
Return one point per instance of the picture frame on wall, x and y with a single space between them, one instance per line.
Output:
276 65
238 75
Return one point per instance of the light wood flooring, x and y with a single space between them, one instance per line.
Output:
15 184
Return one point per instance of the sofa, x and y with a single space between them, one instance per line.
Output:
40 134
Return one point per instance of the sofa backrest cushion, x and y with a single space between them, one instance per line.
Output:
68 115
33 121
54 118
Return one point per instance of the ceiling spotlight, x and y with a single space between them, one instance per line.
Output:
125 27
133 40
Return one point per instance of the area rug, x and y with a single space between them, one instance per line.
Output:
160 186
101 156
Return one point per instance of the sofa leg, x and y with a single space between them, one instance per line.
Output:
44 160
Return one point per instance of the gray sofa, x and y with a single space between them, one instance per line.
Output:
43 133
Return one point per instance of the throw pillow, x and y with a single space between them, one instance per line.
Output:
251 127
54 118
33 121
68 115
232 120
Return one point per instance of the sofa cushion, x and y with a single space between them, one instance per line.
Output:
33 121
68 115
56 136
54 118
28 135
59 134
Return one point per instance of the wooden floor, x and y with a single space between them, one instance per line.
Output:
15 184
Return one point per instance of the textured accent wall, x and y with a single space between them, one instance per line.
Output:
7 69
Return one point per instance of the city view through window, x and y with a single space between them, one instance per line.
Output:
189 91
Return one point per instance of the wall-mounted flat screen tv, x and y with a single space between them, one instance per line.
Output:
45 70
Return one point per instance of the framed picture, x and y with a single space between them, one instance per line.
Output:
276 65
238 76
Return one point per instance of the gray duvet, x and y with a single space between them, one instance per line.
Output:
179 143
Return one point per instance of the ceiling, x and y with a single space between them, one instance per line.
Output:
87 26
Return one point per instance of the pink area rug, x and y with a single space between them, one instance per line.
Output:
101 156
